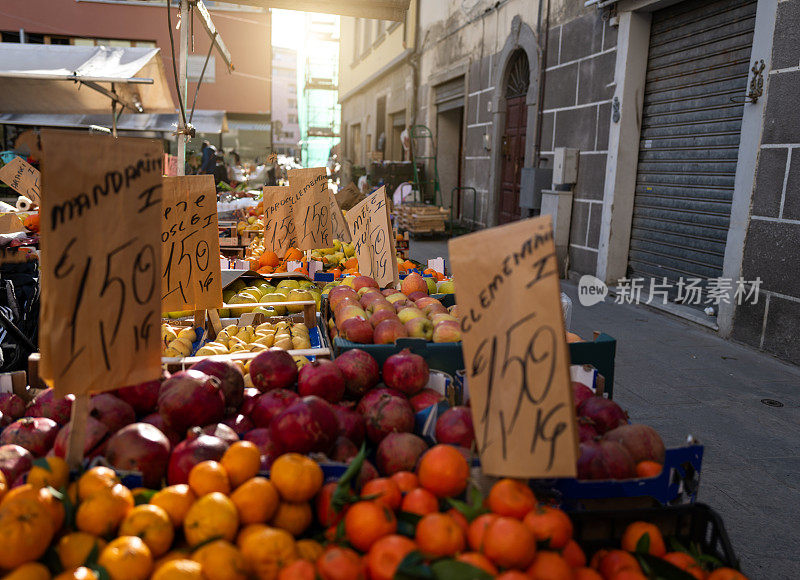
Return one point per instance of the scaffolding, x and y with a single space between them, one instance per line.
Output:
321 118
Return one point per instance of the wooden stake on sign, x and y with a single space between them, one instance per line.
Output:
216 323
515 349
77 436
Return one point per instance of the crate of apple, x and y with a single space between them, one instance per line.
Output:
365 314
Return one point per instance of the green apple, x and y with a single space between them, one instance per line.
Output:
298 296
284 291
431 284
410 313
267 310
306 284
224 312
237 285
291 284
276 297
445 287
265 287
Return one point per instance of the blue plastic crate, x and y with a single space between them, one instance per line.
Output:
678 483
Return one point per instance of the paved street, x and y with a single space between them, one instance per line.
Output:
682 379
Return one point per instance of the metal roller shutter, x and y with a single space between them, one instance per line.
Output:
450 95
698 60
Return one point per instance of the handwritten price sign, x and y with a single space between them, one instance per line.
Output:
23 178
279 229
515 349
191 278
338 224
311 207
372 238
100 230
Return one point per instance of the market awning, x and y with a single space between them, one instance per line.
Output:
376 9
211 122
46 78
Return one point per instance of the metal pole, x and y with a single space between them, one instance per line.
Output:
113 112
183 58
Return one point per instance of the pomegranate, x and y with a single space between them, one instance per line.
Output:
273 369
142 397
308 424
270 404
425 398
11 406
580 393
190 398
222 431
351 423
360 370
262 439
405 371
605 413
231 379
388 414
641 441
143 448
605 460
195 448
240 424
158 422
373 396
46 404
14 461
367 473
36 434
111 411
249 399
343 450
96 435
586 429
323 379
399 452
454 426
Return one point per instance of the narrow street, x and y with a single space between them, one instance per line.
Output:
683 380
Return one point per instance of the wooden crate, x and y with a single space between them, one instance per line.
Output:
421 218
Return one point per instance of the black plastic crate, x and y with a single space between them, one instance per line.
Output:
695 524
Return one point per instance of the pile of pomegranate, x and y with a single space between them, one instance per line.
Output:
610 447
163 428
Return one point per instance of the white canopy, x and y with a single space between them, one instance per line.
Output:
47 78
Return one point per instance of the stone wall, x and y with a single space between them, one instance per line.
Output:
773 234
579 86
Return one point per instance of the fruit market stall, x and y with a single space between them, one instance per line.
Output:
240 445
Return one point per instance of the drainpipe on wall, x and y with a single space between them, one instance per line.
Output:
413 62
542 77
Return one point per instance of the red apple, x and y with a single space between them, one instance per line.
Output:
363 281
447 331
389 291
388 331
356 330
414 296
350 311
381 315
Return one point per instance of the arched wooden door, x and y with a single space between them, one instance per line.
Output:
513 142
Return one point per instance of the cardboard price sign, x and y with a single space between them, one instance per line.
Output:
515 350
373 239
100 238
311 207
23 177
338 224
279 229
191 278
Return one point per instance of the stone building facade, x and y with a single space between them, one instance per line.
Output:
688 146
